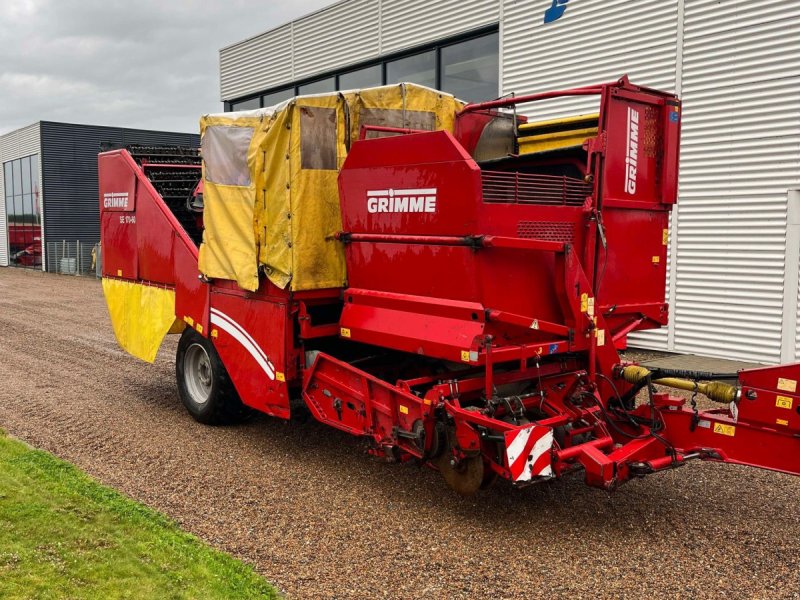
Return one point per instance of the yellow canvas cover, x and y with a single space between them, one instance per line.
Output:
283 217
141 316
228 250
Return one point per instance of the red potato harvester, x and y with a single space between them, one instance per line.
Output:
490 267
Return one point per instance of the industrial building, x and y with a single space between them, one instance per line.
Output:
50 218
734 249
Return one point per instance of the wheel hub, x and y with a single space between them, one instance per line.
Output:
198 373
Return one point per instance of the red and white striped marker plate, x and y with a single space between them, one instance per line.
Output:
528 452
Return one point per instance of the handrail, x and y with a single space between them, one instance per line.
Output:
512 100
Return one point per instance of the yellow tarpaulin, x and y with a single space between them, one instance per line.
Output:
229 248
141 316
270 181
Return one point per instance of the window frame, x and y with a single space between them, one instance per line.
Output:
383 62
15 203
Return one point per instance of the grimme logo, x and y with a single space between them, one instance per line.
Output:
115 200
631 156
402 201
557 8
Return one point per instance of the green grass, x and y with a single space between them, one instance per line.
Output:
62 535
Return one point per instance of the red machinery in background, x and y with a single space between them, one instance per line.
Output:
486 291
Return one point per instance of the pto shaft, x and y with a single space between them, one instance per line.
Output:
715 390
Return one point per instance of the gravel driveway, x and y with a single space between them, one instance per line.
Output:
321 519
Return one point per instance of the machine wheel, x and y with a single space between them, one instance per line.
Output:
466 477
203 383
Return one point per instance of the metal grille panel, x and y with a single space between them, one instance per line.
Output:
554 231
524 188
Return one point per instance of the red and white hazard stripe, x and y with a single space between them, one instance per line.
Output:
528 452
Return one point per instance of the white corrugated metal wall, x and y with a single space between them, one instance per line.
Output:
256 63
406 23
740 154
348 33
595 41
17 144
343 34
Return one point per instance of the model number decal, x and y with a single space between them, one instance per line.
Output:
127 219
422 200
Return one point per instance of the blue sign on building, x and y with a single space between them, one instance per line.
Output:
555 11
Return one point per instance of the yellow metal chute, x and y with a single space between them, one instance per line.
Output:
141 316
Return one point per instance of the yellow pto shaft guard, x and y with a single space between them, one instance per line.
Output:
715 390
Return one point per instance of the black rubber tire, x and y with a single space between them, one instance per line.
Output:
222 406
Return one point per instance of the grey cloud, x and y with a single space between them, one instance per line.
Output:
149 64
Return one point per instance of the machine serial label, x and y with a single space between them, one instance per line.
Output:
421 200
724 429
783 402
632 155
787 385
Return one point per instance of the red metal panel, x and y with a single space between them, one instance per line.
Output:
250 335
154 238
117 186
191 293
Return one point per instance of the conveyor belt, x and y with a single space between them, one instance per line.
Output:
175 172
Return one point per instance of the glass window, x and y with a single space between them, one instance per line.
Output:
321 86
26 175
22 208
16 167
362 78
9 179
419 68
35 175
470 69
246 104
274 98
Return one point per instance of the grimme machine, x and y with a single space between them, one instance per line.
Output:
448 280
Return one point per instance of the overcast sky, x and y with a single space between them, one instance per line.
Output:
152 64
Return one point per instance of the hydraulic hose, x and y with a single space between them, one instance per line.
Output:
715 390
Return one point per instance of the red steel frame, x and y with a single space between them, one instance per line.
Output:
492 343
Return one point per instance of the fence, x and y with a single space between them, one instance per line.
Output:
73 258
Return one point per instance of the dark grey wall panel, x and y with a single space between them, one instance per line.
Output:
69 174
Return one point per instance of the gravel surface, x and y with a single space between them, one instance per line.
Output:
321 519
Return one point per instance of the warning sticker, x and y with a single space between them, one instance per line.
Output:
723 429
783 402
787 385
465 355
345 332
